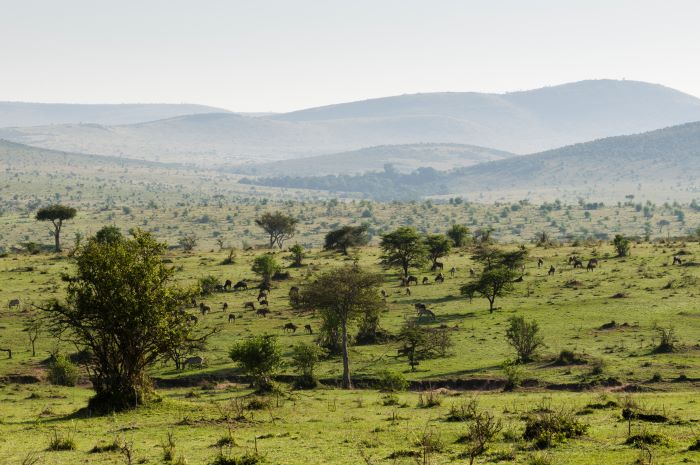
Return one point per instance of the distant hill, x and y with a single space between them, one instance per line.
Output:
518 122
662 164
15 114
403 158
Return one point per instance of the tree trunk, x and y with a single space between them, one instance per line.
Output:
347 382
57 235
491 301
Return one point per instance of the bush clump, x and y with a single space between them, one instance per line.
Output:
392 382
62 372
549 427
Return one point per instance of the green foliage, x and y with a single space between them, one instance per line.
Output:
493 282
57 214
109 234
188 243
246 459
524 337
62 372
403 248
265 266
259 357
305 357
297 254
391 381
61 442
547 427
459 234
207 284
346 237
278 226
122 296
622 245
438 246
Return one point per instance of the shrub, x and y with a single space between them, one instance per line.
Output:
622 245
392 381
667 340
513 373
548 427
569 357
429 399
462 411
647 439
523 337
60 442
305 357
259 357
247 459
62 372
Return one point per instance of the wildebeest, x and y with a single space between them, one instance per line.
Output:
408 291
552 270
440 278
264 302
193 361
224 307
420 306
228 284
231 317
193 302
577 263
262 312
13 303
308 330
677 260
249 305
540 262
453 270
264 286
426 312
240 285
204 309
219 288
262 294
191 319
426 280
411 279
592 264
437 266
290 327
293 291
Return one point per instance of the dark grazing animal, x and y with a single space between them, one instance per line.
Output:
408 291
290 327
262 312
293 292
249 305
577 263
540 262
427 313
224 307
264 286
440 278
420 306
228 284
437 266
264 302
677 260
308 330
411 279
592 264
13 303
204 309
426 280
231 317
552 270
196 361
240 285
262 294
453 270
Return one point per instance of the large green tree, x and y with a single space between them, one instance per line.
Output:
438 246
265 266
341 296
459 235
403 248
57 214
345 237
278 226
122 306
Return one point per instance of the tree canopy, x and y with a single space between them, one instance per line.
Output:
57 214
438 246
403 248
278 226
345 237
265 266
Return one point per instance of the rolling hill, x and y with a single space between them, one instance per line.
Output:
518 122
16 114
662 165
404 158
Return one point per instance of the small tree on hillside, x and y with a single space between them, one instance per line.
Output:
493 282
57 214
109 234
297 255
33 327
305 357
438 246
265 266
278 226
459 234
122 306
524 337
259 357
622 245
341 296
345 237
403 248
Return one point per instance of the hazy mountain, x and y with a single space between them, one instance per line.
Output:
519 122
404 158
661 164
14 114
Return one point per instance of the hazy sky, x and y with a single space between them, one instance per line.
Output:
259 55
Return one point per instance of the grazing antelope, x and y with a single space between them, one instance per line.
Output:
290 327
308 330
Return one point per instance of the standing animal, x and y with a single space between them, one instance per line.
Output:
227 285
577 263
411 279
231 317
290 327
204 309
420 306
677 260
196 361
240 285
426 280
308 330
193 302
592 264
262 312
264 286
191 319
224 307
408 291
13 303
552 270
427 313
262 294
293 292
249 305
540 262
264 302
437 266
440 278
453 270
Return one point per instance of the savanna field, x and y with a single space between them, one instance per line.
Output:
600 370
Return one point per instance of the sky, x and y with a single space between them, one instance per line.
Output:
274 55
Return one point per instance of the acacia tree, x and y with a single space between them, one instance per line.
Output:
278 226
493 282
622 245
341 296
404 248
438 246
297 255
121 305
343 238
57 214
524 337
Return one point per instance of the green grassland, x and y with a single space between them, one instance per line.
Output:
331 426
